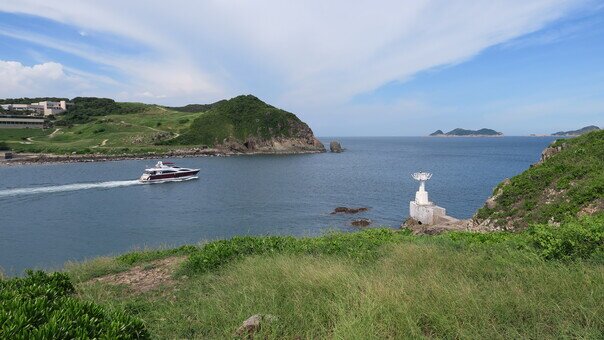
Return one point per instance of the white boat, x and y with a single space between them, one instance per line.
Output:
167 172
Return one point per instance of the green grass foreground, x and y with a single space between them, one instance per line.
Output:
546 282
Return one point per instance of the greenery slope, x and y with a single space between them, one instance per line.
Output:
555 190
377 283
103 126
239 118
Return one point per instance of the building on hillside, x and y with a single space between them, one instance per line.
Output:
45 108
20 122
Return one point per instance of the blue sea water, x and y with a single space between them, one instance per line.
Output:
53 213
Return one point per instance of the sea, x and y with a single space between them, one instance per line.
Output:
54 213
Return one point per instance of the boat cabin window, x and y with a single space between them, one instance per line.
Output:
150 172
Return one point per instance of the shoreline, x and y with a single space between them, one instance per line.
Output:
42 159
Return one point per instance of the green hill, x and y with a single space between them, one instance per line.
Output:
103 126
246 123
569 181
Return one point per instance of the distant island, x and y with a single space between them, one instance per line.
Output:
576 132
90 128
459 132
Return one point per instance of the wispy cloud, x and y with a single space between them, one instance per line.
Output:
307 51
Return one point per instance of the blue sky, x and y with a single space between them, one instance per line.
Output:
387 68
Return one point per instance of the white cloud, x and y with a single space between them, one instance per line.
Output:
295 53
46 79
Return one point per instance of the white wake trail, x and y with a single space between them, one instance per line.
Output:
67 187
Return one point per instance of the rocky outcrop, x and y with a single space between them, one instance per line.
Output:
345 210
277 145
551 151
361 222
440 226
335 146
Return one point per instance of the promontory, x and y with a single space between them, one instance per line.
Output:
89 128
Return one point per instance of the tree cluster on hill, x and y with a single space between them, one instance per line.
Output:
194 107
240 118
84 108
26 100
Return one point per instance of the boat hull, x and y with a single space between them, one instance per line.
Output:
171 177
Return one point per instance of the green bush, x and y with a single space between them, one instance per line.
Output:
4 146
580 239
42 306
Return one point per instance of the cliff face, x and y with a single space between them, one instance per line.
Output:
567 182
246 124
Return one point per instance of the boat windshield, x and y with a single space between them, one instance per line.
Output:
149 172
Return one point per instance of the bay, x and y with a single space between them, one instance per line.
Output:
53 213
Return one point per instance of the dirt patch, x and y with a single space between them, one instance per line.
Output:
592 208
145 277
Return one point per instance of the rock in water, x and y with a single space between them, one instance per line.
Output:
335 146
346 210
362 222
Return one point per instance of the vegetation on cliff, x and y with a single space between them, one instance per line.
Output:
569 182
241 119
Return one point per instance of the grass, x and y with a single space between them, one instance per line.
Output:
377 283
135 133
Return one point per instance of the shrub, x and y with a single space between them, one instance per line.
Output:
4 146
42 306
579 239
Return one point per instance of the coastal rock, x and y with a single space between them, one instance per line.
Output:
442 225
491 202
550 151
335 146
345 210
362 222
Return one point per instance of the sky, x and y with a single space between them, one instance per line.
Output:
347 68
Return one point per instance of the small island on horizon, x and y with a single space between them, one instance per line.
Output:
459 132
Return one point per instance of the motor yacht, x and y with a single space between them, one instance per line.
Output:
167 172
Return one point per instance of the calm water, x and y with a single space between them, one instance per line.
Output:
53 213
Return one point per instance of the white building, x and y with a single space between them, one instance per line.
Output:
43 108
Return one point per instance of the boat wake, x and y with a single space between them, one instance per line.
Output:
67 187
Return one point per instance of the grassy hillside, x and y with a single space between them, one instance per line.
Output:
240 118
567 184
116 133
376 283
103 126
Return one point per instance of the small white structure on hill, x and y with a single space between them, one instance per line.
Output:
422 209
